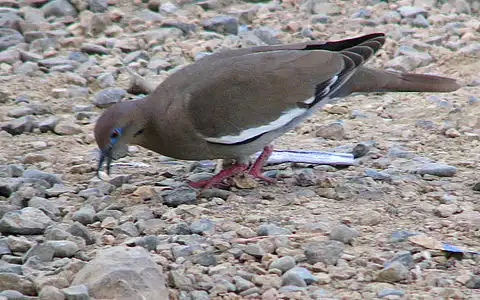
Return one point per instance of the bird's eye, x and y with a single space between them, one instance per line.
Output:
138 132
115 133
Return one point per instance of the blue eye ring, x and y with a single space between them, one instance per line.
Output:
115 134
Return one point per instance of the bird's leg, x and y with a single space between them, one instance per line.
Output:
256 169
216 179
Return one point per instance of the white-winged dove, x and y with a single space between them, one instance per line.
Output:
234 103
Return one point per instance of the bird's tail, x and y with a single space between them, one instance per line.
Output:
369 80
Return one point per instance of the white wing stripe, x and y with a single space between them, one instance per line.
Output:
249 133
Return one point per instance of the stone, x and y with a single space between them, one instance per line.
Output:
19 243
18 112
343 233
473 282
11 281
9 37
78 229
181 195
394 272
63 248
76 292
84 215
20 125
6 267
49 292
123 273
255 250
59 8
67 128
242 284
272 229
221 24
108 96
45 205
98 6
201 225
28 220
332 131
42 252
411 11
327 252
436 169
293 279
37 174
283 264
48 124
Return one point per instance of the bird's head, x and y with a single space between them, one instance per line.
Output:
119 125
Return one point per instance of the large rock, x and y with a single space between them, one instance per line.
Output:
123 273
28 220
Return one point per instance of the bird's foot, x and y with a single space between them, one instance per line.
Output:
219 177
256 169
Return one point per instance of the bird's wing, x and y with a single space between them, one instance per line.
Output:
236 99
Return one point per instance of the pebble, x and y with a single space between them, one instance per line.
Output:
76 292
201 226
327 252
181 195
108 96
221 24
63 248
473 282
28 220
332 131
343 233
301 273
283 264
50 292
436 169
394 272
272 229
84 215
18 243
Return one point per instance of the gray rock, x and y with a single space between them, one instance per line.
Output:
221 24
101 215
78 229
255 250
48 124
59 189
267 35
148 242
123 273
332 131
201 225
436 169
20 125
420 21
19 243
242 284
90 192
43 252
283 264
12 295
50 292
127 228
395 272
67 128
199 295
10 20
98 5
390 292
303 273
76 292
17 260
473 282
28 220
59 8
108 96
18 112
327 252
343 233
294 279
94 49
178 196
6 267
28 68
15 170
205 259
63 248
84 215
37 174
470 49
47 206
179 280
272 229
11 281
180 228
9 37
412 11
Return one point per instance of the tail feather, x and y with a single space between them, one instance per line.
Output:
370 80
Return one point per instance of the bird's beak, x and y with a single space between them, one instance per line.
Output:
105 154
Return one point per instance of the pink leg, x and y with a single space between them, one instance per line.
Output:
208 183
256 169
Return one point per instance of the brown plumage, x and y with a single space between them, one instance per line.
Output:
233 103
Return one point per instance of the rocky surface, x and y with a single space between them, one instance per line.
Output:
318 233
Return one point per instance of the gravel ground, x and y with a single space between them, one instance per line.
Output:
320 232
